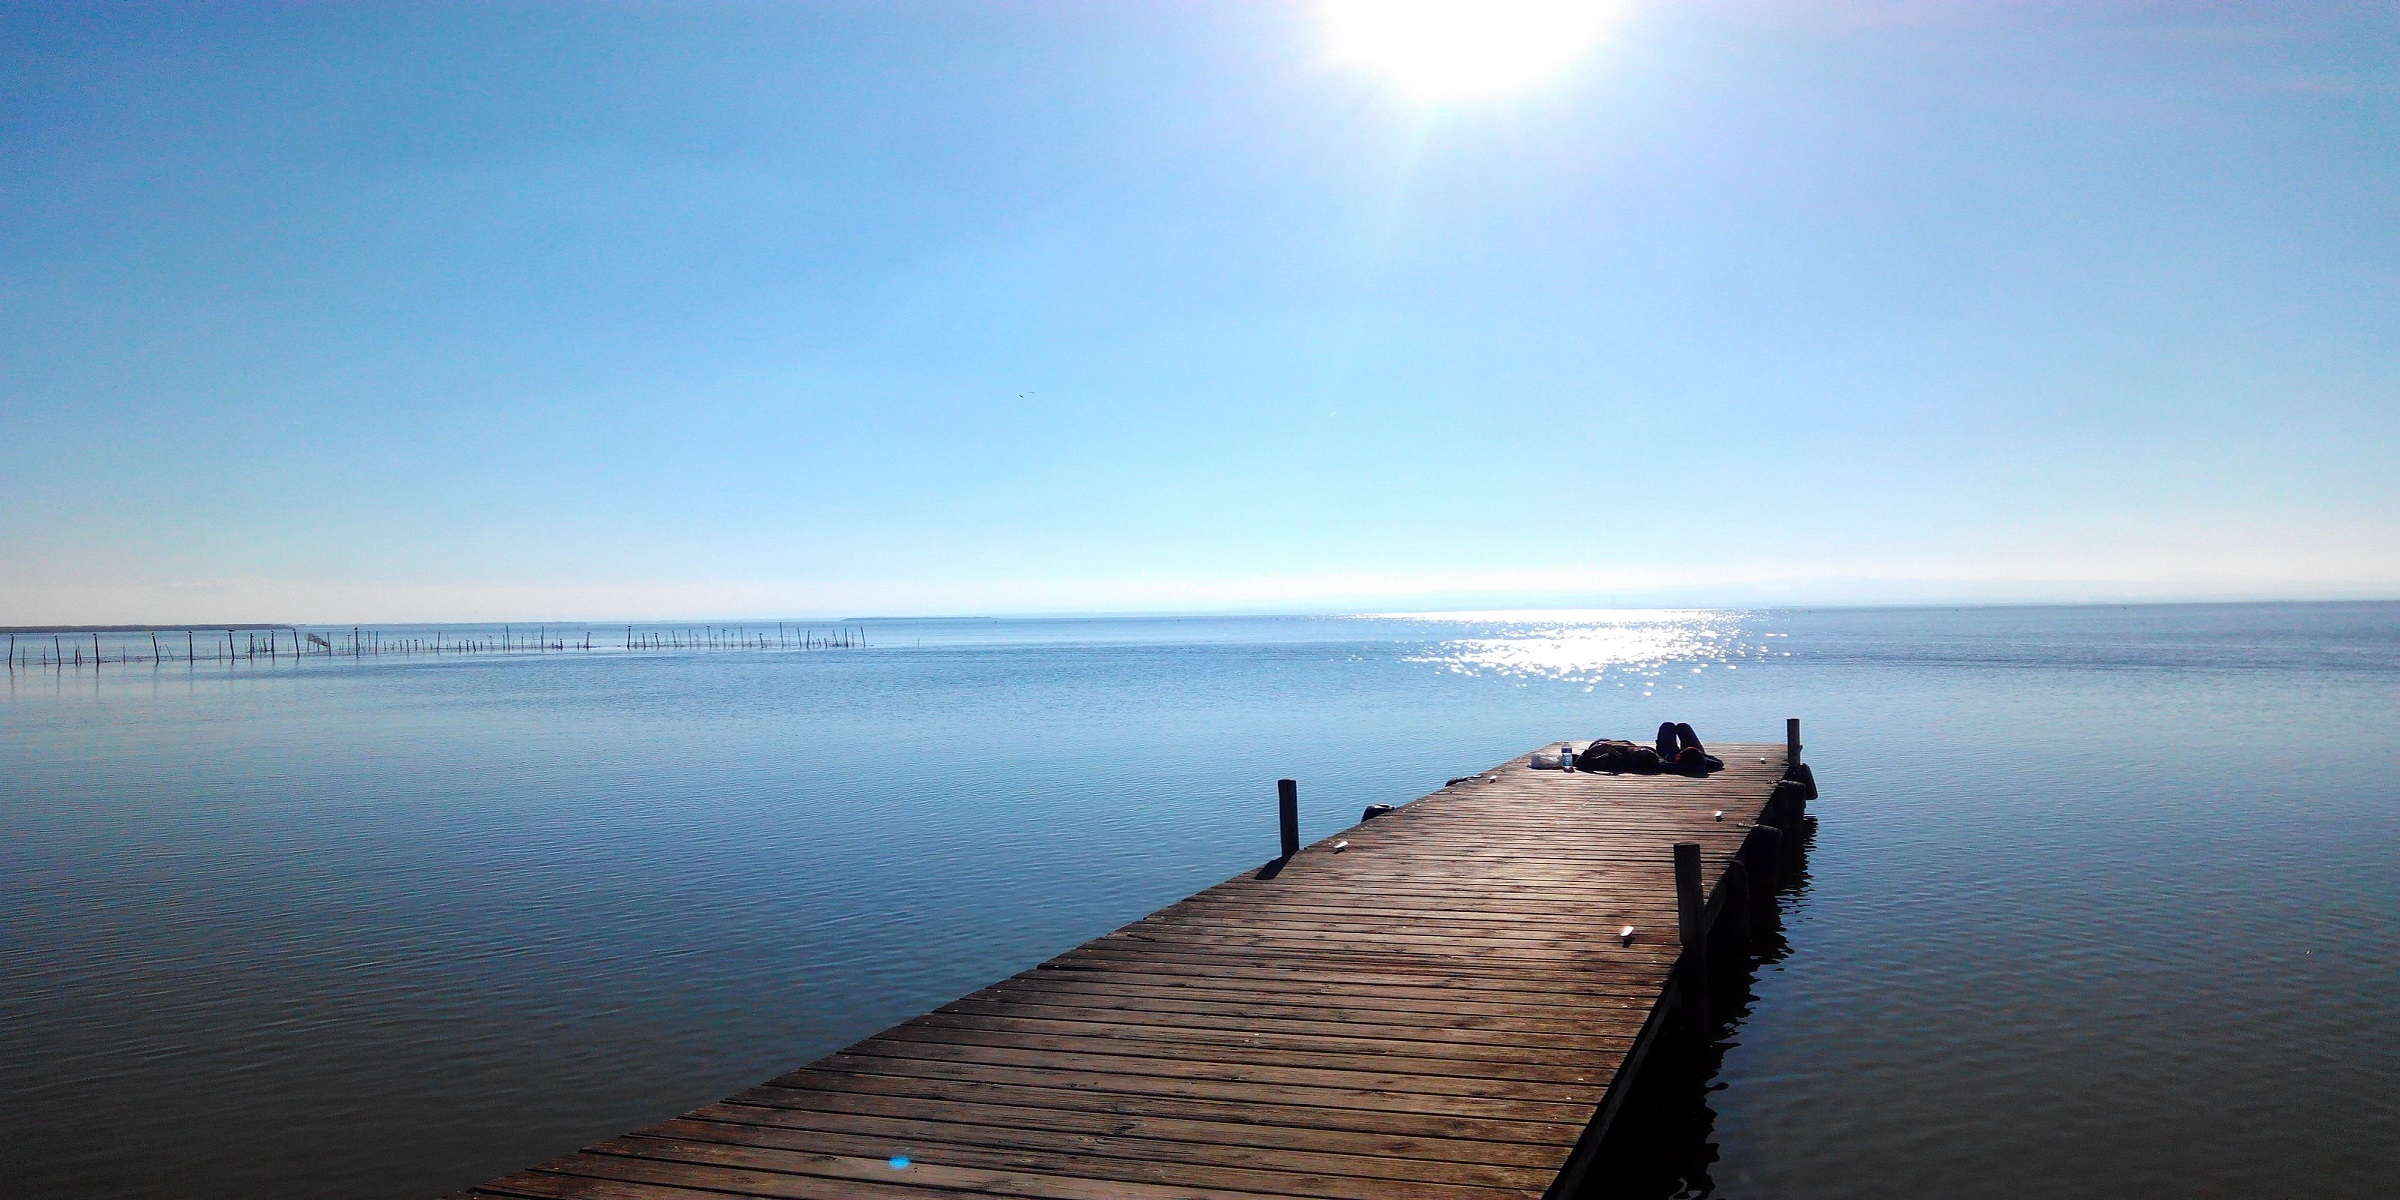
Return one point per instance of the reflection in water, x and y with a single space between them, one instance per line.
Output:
1631 646
1663 1145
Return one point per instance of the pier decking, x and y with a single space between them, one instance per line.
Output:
1442 1010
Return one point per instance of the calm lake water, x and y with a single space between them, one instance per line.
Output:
2104 901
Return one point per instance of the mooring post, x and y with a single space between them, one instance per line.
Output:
1791 742
1764 852
1733 932
1691 912
1762 855
1287 806
1690 899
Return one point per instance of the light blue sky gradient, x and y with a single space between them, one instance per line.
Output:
357 312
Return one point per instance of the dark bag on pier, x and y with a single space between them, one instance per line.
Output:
1617 756
1603 756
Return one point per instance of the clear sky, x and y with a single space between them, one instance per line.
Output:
575 311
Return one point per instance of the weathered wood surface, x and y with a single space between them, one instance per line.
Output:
1436 1012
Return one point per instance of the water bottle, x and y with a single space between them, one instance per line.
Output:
1566 756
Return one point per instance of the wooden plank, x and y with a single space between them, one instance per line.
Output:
1290 989
1287 1174
1372 1153
1296 1111
1509 1045
745 1172
1349 1055
1222 1081
1131 989
1649 959
1434 1012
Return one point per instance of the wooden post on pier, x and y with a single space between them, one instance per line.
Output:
1762 858
1762 853
1691 917
1791 742
1287 809
1734 908
1788 808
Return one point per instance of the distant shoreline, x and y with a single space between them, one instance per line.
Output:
237 626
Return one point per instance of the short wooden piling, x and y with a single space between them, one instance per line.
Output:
1287 810
1762 855
1691 914
1691 904
1731 931
1788 807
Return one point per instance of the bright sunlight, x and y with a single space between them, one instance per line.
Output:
1462 49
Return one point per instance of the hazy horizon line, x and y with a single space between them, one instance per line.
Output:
1400 612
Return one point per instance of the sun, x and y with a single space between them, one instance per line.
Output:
1462 49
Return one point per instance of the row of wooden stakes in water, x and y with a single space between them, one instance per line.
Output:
278 644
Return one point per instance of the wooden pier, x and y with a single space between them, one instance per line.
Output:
1436 1004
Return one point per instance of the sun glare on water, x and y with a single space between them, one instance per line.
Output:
1462 49
1640 647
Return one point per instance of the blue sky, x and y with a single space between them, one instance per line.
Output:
358 312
